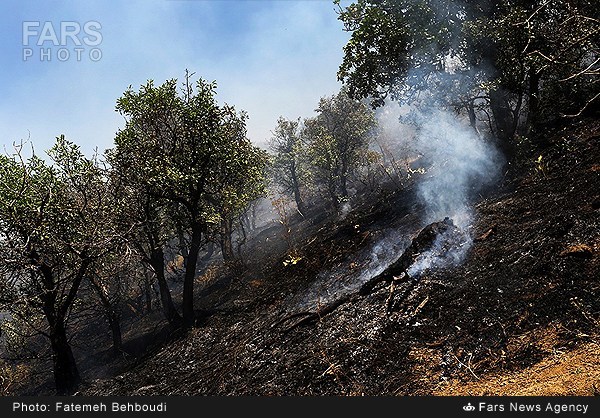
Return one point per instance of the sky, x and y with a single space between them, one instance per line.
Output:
64 64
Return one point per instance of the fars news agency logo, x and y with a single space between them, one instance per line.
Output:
61 41
468 407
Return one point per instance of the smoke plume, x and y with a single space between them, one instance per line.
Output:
456 165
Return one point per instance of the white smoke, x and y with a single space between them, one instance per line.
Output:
458 164
449 249
462 164
353 271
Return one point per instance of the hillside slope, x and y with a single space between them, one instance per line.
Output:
520 315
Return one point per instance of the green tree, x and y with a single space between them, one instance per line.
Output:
55 221
239 177
179 148
289 165
338 138
518 61
390 39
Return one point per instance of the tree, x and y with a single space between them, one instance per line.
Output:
561 57
289 164
396 41
239 176
510 59
55 222
338 138
147 226
182 150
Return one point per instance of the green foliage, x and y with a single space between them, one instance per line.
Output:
186 149
289 164
55 223
338 139
517 63
188 161
547 50
396 44
238 175
55 214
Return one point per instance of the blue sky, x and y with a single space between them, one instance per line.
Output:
269 58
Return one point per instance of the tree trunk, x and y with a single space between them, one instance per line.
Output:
190 275
254 216
297 196
472 117
226 244
503 121
112 317
66 375
157 261
242 240
344 181
182 244
147 291
115 329
333 195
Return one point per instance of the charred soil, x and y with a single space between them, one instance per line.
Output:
520 315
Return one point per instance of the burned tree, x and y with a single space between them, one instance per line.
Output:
423 242
437 237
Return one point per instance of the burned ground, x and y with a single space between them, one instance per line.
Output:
520 315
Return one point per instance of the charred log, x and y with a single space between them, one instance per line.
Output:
420 244
395 274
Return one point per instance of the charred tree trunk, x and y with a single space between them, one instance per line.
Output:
112 316
344 181
148 290
333 195
226 243
182 244
66 375
502 115
241 240
421 243
472 117
190 274
503 121
296 190
157 261
115 329
397 270
533 99
254 216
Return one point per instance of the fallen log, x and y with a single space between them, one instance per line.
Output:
420 244
394 274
